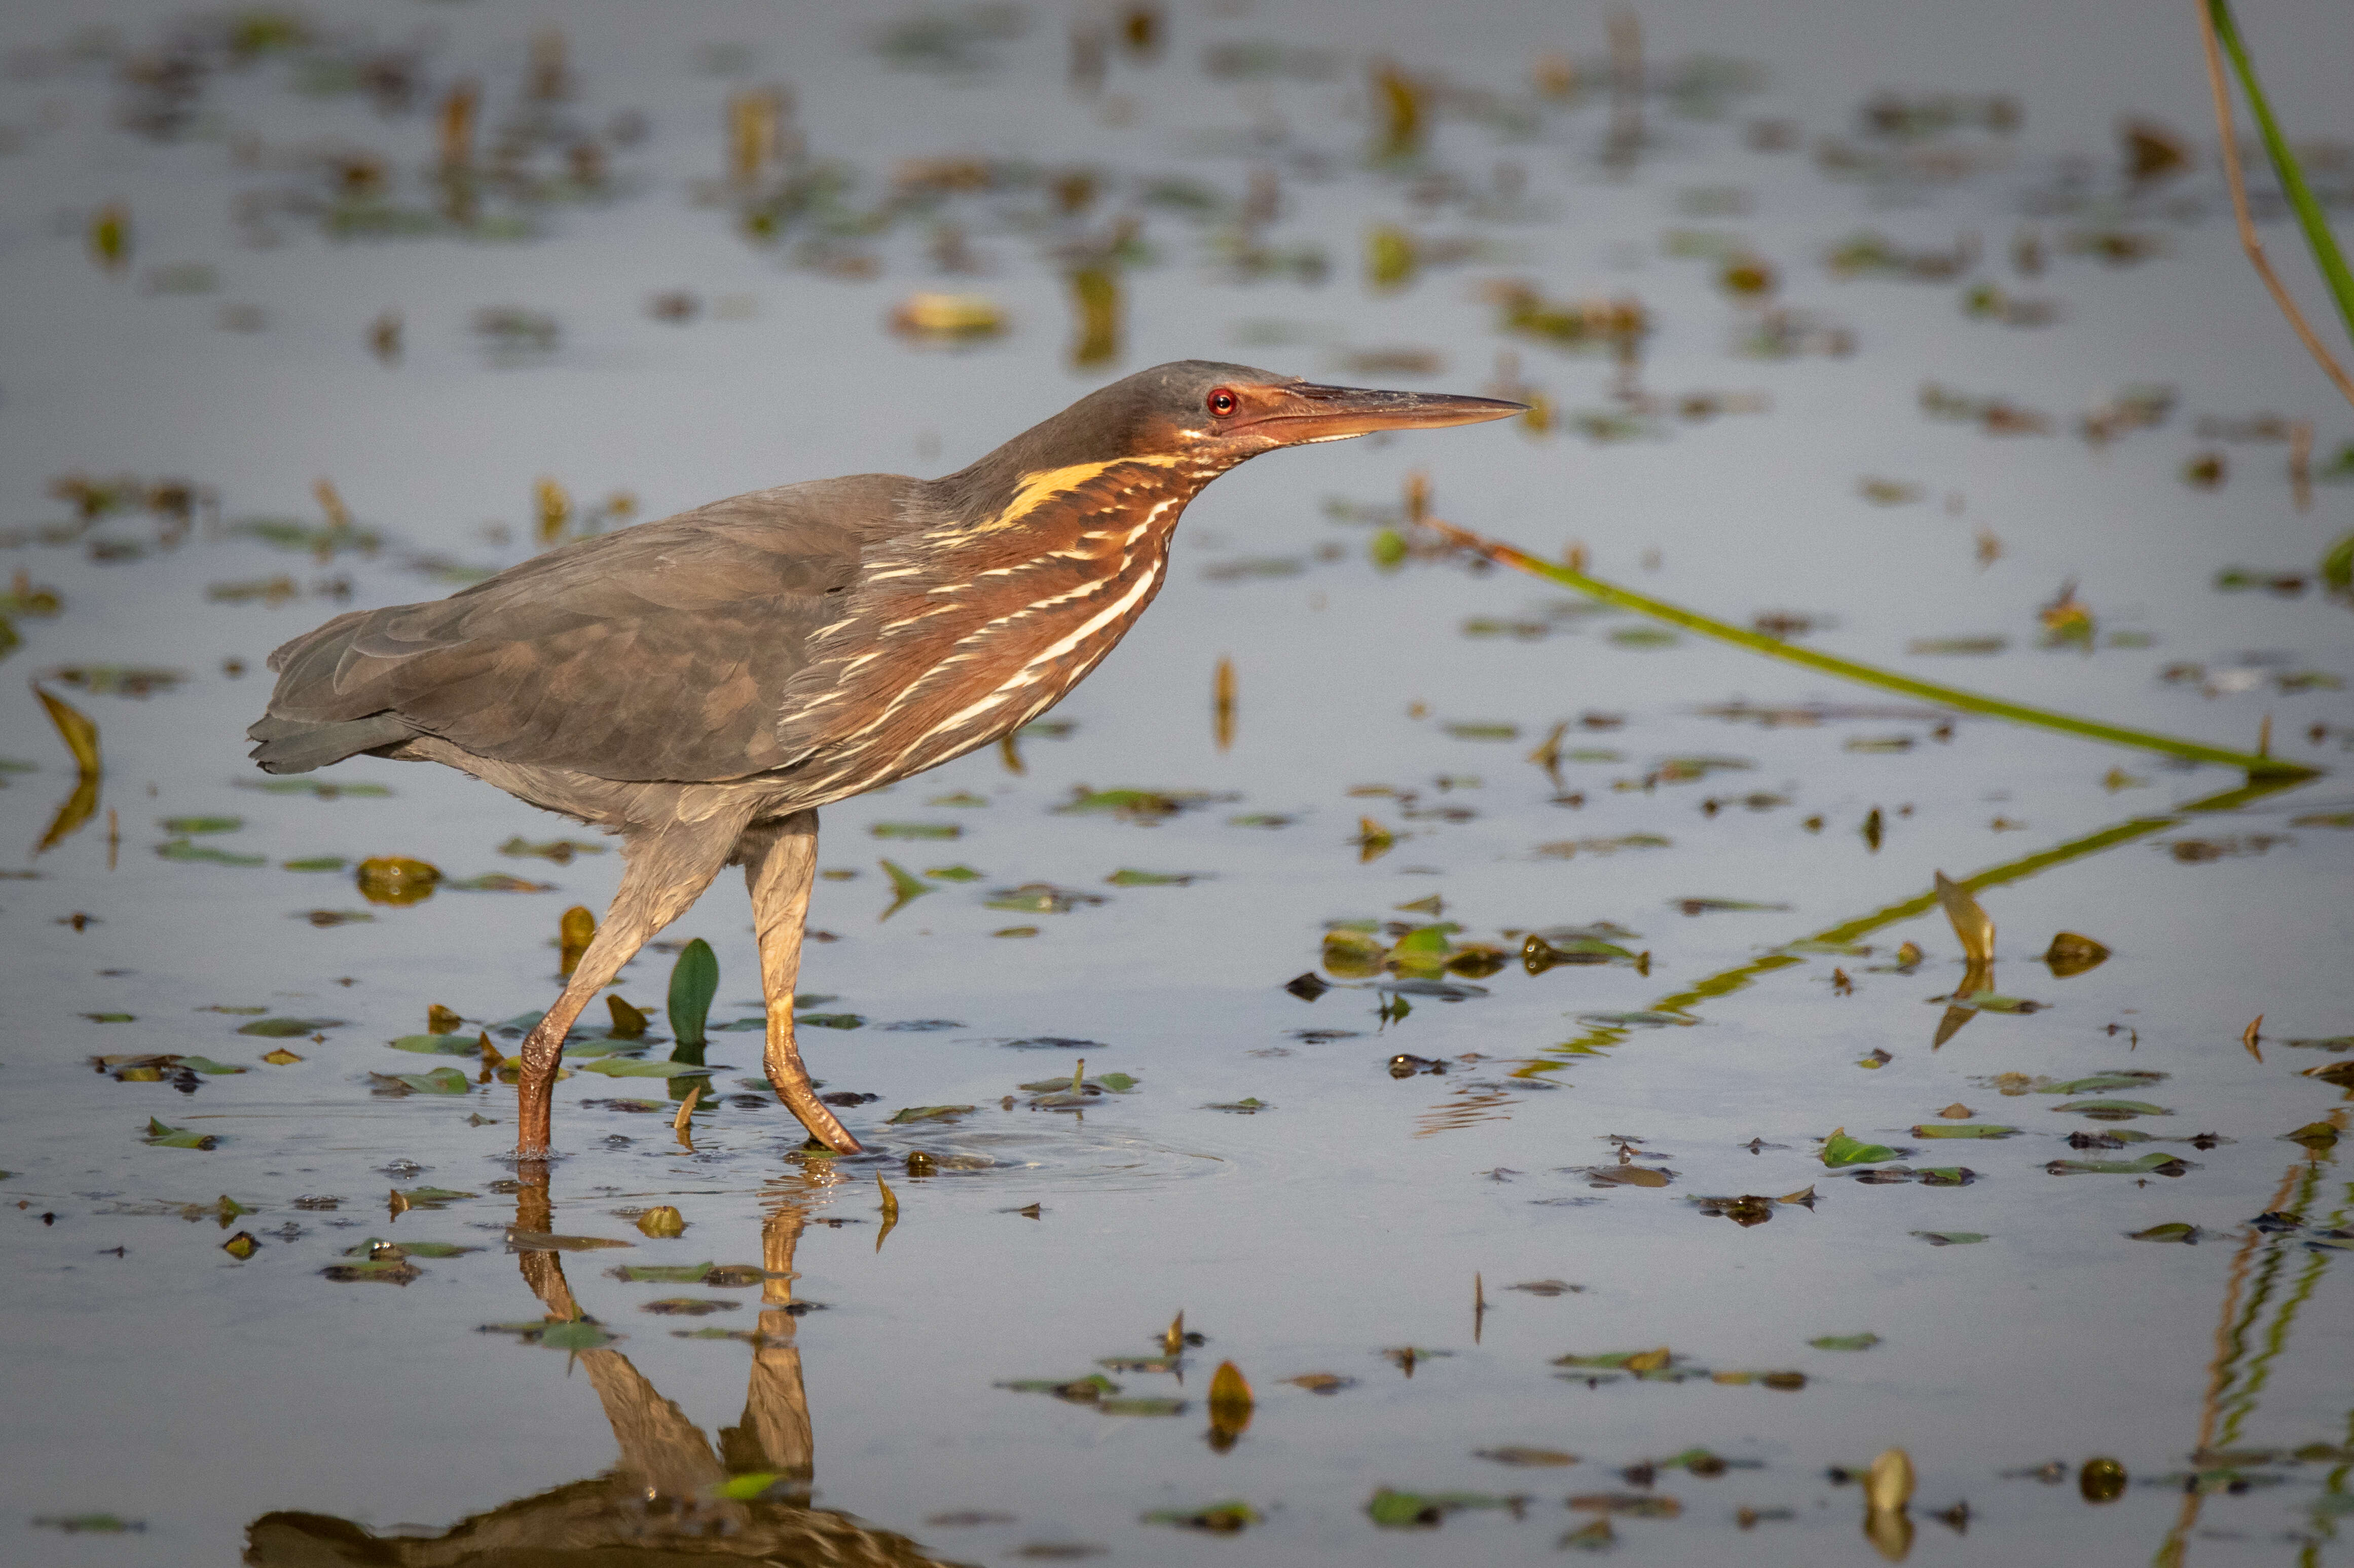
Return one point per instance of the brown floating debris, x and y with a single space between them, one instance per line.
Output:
1886 1491
2072 954
396 879
1971 922
110 237
950 318
574 932
1230 1406
2100 1480
1223 703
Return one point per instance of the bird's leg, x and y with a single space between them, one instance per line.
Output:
665 870
780 861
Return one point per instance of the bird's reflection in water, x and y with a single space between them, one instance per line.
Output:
658 1504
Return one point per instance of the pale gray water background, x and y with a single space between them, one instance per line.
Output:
177 1387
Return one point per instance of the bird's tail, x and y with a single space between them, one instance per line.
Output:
298 745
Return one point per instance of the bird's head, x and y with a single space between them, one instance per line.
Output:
1202 417
1221 414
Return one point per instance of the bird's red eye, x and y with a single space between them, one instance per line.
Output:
1222 403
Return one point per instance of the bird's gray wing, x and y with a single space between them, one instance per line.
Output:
661 651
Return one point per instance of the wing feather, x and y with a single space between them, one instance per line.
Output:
661 651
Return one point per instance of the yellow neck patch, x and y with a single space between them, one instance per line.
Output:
1036 489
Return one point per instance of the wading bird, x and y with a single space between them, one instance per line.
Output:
702 684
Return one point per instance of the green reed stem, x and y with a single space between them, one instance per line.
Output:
1739 978
1871 675
2309 213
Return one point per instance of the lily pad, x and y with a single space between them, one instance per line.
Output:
187 849
159 1136
438 1044
630 1067
288 1028
440 1081
1394 1510
2175 1232
2150 1164
1840 1151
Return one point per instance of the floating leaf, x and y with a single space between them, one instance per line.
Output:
2070 954
1532 1458
396 880
436 1044
1229 1518
440 1081
1241 1107
1394 1510
2151 1164
1974 1129
581 1334
905 885
630 1067
519 1240
1129 877
830 1019
2174 1232
314 862
209 1067
75 728
1840 1151
185 826
2114 1110
1971 922
926 1113
162 1137
288 1028
194 854
1950 1238
916 830
1864 1341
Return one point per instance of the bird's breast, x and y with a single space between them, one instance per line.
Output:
963 635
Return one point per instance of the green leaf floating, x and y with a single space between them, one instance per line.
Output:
927 1113
694 981
287 1028
627 1067
1840 1151
2152 1164
438 1044
1972 1130
1845 1341
162 1137
1395 1509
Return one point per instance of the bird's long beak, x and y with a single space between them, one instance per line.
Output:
1297 412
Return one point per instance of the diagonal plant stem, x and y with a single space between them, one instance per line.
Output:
2257 766
1739 978
2215 22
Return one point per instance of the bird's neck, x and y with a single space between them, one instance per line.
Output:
1004 494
